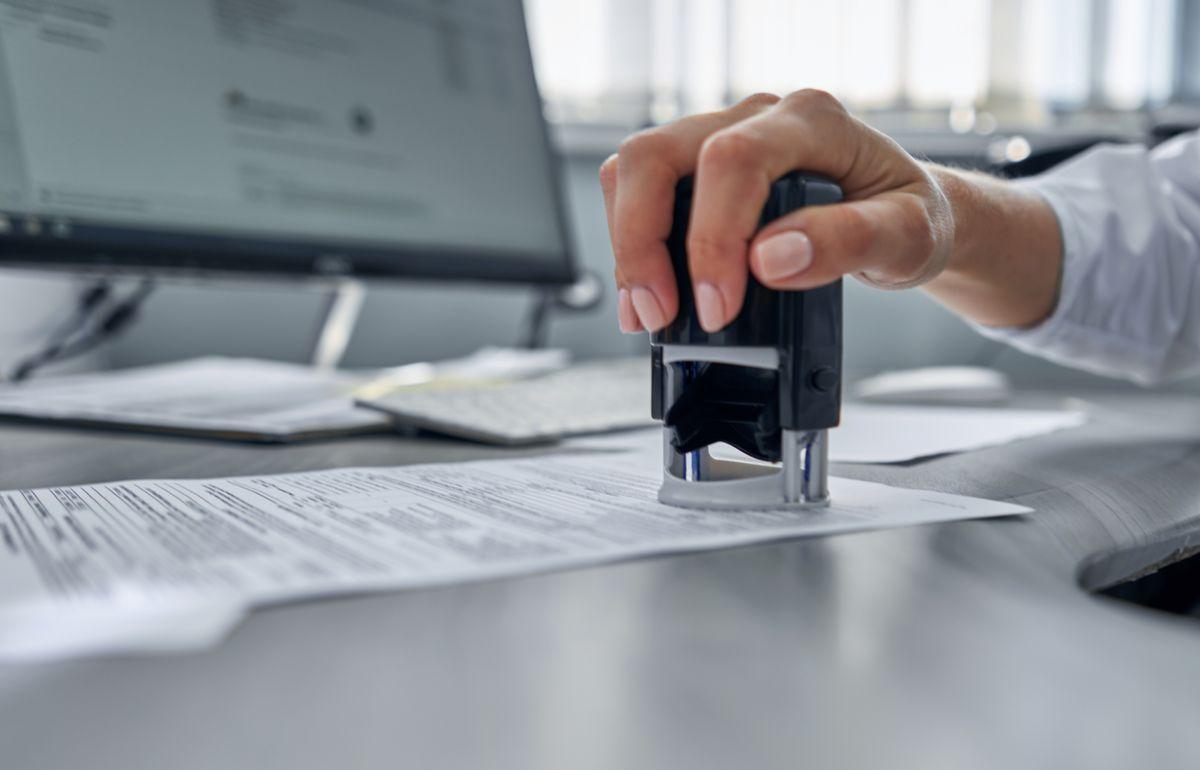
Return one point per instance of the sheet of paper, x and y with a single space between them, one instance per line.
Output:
246 398
895 434
890 434
171 564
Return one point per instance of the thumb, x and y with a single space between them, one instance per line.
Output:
886 240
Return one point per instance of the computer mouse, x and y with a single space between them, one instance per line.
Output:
936 385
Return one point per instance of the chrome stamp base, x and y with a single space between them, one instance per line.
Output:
801 481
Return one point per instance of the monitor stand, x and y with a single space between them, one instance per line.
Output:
346 297
342 308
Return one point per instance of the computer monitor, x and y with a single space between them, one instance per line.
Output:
397 138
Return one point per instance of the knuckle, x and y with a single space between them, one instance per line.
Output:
859 232
707 248
625 257
812 100
644 145
759 100
633 261
728 148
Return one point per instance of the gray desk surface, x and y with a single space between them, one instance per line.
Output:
969 645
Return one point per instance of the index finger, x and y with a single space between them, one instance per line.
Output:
808 130
649 165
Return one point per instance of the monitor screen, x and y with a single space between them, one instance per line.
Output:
361 137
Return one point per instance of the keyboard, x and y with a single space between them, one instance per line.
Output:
594 397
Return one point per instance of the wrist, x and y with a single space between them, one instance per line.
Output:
967 200
1006 255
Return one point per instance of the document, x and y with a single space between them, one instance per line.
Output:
872 433
159 565
895 434
237 398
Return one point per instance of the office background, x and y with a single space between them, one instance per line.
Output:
979 82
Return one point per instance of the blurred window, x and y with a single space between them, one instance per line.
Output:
638 61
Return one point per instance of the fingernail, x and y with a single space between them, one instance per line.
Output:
649 309
626 315
710 306
783 256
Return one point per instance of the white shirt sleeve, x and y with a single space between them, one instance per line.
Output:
1129 303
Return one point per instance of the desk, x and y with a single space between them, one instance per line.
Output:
965 645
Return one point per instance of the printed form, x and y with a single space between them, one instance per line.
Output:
174 564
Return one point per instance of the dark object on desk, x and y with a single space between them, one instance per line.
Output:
769 383
1175 588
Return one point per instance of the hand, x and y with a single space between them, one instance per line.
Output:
894 229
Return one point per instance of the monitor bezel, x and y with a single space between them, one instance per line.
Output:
96 247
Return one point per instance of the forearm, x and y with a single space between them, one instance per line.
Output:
1006 258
